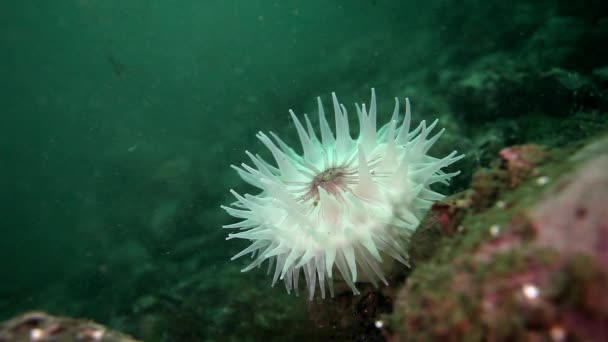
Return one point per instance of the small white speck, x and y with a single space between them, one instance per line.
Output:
494 230
97 334
36 334
530 291
379 324
92 333
500 204
557 333
543 180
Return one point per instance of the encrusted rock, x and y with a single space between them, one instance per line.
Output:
40 326
521 160
535 270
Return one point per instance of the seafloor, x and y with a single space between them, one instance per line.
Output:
120 224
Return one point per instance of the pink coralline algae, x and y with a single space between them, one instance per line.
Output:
527 271
574 217
521 159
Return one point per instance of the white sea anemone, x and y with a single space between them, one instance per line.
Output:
344 202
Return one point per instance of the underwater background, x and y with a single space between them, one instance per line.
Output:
119 121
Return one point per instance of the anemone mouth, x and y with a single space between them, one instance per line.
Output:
333 180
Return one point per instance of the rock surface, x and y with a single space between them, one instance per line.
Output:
532 266
40 326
